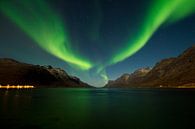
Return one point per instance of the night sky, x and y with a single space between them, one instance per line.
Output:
96 40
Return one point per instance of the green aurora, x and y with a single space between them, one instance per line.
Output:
45 27
48 30
159 13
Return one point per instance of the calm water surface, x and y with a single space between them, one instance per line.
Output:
61 108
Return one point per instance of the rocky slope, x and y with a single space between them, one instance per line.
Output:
172 72
16 73
126 79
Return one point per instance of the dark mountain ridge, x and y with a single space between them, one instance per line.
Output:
13 72
172 72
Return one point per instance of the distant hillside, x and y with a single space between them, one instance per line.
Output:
172 72
13 72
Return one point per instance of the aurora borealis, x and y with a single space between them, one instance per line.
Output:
160 12
45 27
90 38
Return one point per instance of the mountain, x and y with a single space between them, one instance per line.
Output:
172 72
13 72
127 79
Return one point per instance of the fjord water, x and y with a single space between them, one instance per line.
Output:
62 108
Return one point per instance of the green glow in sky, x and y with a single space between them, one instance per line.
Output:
160 12
37 19
45 27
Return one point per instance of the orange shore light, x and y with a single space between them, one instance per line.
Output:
16 87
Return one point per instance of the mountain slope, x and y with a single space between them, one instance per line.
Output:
172 72
16 73
126 79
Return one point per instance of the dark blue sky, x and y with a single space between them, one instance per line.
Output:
97 29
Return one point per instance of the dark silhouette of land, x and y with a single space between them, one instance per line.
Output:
13 72
178 72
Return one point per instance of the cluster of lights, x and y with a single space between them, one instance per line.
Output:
16 87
